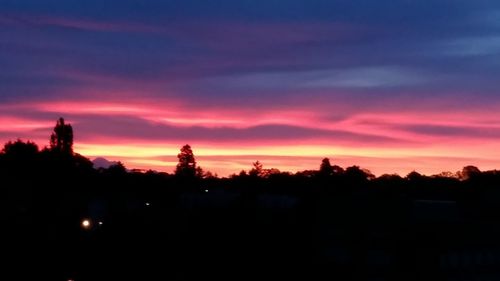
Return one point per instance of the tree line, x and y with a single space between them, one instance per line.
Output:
21 154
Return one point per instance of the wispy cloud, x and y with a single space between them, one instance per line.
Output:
363 77
25 20
473 46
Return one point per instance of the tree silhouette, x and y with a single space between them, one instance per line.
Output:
19 157
414 176
117 169
469 172
326 168
356 174
257 169
61 139
187 164
20 149
199 172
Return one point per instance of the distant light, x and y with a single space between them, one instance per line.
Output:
147 204
206 190
100 223
86 224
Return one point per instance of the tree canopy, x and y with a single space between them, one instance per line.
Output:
61 139
187 164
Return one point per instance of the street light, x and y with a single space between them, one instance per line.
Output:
86 224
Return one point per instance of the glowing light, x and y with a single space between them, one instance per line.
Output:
86 224
147 204
206 190
100 223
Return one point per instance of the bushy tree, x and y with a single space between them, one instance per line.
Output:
469 172
414 176
326 168
117 169
187 163
19 157
20 149
61 139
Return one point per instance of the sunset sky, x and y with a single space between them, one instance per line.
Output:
391 86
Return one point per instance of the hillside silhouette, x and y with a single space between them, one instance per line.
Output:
63 219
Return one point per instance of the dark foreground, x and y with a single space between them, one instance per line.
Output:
158 227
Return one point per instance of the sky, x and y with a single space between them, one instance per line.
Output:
390 85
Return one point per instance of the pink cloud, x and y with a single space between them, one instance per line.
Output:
138 132
12 123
